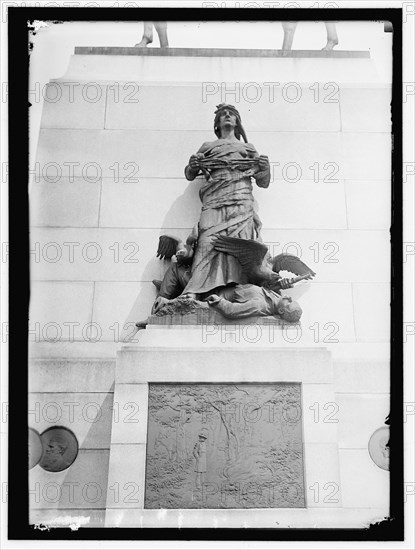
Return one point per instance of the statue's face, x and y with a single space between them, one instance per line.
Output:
292 306
227 118
286 303
181 251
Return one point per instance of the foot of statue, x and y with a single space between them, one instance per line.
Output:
330 45
142 325
144 42
158 304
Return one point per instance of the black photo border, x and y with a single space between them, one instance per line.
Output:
19 19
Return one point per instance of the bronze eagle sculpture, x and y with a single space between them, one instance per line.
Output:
258 266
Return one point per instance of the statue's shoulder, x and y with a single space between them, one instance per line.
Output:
206 146
250 148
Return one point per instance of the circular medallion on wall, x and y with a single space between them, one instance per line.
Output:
379 447
60 448
35 448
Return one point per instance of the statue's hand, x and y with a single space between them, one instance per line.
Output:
263 162
194 161
213 299
285 283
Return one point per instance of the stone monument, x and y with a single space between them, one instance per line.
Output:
212 445
220 412
225 255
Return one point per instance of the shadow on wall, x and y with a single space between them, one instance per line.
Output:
187 206
82 485
92 457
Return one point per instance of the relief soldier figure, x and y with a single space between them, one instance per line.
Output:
199 452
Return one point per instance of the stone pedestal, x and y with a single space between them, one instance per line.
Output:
221 359
174 362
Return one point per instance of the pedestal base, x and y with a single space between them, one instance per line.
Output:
141 367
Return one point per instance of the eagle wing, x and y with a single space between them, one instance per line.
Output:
289 262
167 246
249 252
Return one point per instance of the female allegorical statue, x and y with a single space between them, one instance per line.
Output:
228 165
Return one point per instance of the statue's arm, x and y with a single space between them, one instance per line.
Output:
193 168
263 176
190 171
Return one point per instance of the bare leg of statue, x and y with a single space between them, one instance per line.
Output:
289 30
147 35
161 28
332 38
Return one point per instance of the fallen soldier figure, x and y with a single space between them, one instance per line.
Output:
249 300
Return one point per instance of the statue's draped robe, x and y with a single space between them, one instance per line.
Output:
227 209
